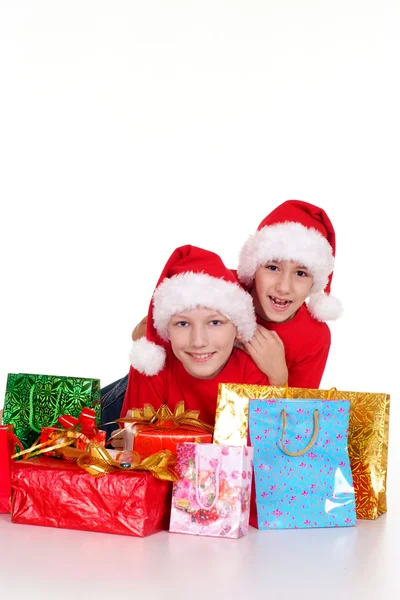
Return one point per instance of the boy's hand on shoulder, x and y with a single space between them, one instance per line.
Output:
268 352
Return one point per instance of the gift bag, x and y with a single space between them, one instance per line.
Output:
212 495
301 463
367 442
36 401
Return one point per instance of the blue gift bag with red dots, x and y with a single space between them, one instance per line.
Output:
301 463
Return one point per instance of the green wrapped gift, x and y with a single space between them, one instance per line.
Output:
36 401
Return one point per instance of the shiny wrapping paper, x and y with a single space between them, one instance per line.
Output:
148 439
35 401
367 442
7 448
57 493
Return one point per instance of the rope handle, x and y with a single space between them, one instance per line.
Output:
310 443
217 470
31 410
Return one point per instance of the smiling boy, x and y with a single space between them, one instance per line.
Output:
290 258
197 313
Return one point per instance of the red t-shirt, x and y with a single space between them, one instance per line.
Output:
174 383
307 344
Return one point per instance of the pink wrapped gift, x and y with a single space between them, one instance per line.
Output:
212 496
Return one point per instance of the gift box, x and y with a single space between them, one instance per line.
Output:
301 464
7 448
148 431
212 495
36 401
57 493
368 435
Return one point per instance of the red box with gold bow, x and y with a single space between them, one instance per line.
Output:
93 493
84 426
148 431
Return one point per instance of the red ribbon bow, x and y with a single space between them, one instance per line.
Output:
87 421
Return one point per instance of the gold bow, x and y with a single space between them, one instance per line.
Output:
57 440
97 461
165 418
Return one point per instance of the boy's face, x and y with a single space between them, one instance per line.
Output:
279 289
202 339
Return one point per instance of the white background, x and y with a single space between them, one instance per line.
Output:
129 128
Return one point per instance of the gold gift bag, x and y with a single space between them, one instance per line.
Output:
367 442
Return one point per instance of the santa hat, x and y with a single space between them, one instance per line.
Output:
296 231
191 278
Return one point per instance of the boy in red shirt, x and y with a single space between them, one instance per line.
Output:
197 313
288 259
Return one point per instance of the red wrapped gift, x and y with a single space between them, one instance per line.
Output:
148 431
8 442
84 425
58 493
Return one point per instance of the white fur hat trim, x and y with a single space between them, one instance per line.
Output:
191 290
287 241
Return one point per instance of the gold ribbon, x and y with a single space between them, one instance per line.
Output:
165 418
57 440
97 461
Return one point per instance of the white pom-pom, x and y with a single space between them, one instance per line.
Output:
324 307
146 357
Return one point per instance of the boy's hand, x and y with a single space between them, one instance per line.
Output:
267 350
118 439
140 329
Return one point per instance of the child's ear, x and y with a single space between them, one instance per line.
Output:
238 341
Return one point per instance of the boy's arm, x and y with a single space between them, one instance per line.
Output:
252 374
307 373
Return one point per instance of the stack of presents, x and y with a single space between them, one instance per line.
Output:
277 458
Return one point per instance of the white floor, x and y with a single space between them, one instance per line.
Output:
340 564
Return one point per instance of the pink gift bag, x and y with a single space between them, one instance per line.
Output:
212 496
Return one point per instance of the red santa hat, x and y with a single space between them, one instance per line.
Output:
191 278
302 232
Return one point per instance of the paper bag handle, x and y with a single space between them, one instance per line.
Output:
310 443
31 410
217 470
